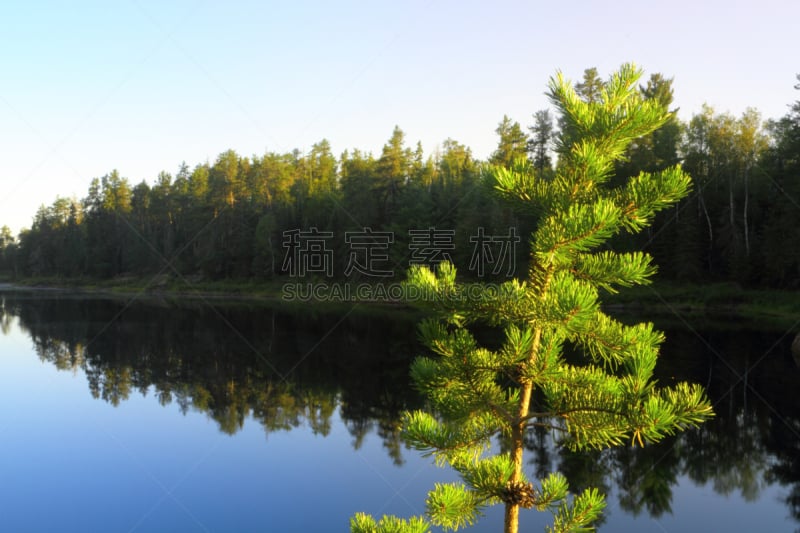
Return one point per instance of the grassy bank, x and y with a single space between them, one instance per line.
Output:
719 299
171 288
160 285
662 299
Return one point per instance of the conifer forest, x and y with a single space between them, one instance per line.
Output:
236 217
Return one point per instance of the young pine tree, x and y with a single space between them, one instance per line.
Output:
477 394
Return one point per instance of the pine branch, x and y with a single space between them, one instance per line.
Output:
477 393
607 269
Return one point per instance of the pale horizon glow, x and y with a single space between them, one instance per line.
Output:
142 86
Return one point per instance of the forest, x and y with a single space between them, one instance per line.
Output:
366 217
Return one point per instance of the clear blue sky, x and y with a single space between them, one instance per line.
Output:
87 87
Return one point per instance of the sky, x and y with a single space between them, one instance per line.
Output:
141 86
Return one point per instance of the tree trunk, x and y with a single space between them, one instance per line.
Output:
271 258
731 208
710 228
511 518
746 200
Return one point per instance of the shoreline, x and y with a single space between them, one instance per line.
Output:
656 300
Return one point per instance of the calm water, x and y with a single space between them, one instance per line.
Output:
203 416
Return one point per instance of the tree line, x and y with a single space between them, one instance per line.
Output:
365 217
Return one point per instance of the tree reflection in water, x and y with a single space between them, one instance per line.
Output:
286 369
753 441
233 362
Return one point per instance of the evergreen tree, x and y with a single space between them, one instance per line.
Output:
359 191
479 392
674 237
779 250
591 88
513 143
542 136
659 149
8 247
392 174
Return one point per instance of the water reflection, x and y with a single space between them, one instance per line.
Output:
285 370
753 442
231 362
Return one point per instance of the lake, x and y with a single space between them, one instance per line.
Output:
123 414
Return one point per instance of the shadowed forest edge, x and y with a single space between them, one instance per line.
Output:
229 222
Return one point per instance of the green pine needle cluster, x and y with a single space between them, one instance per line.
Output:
362 523
477 394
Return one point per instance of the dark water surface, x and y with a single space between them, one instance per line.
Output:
158 416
